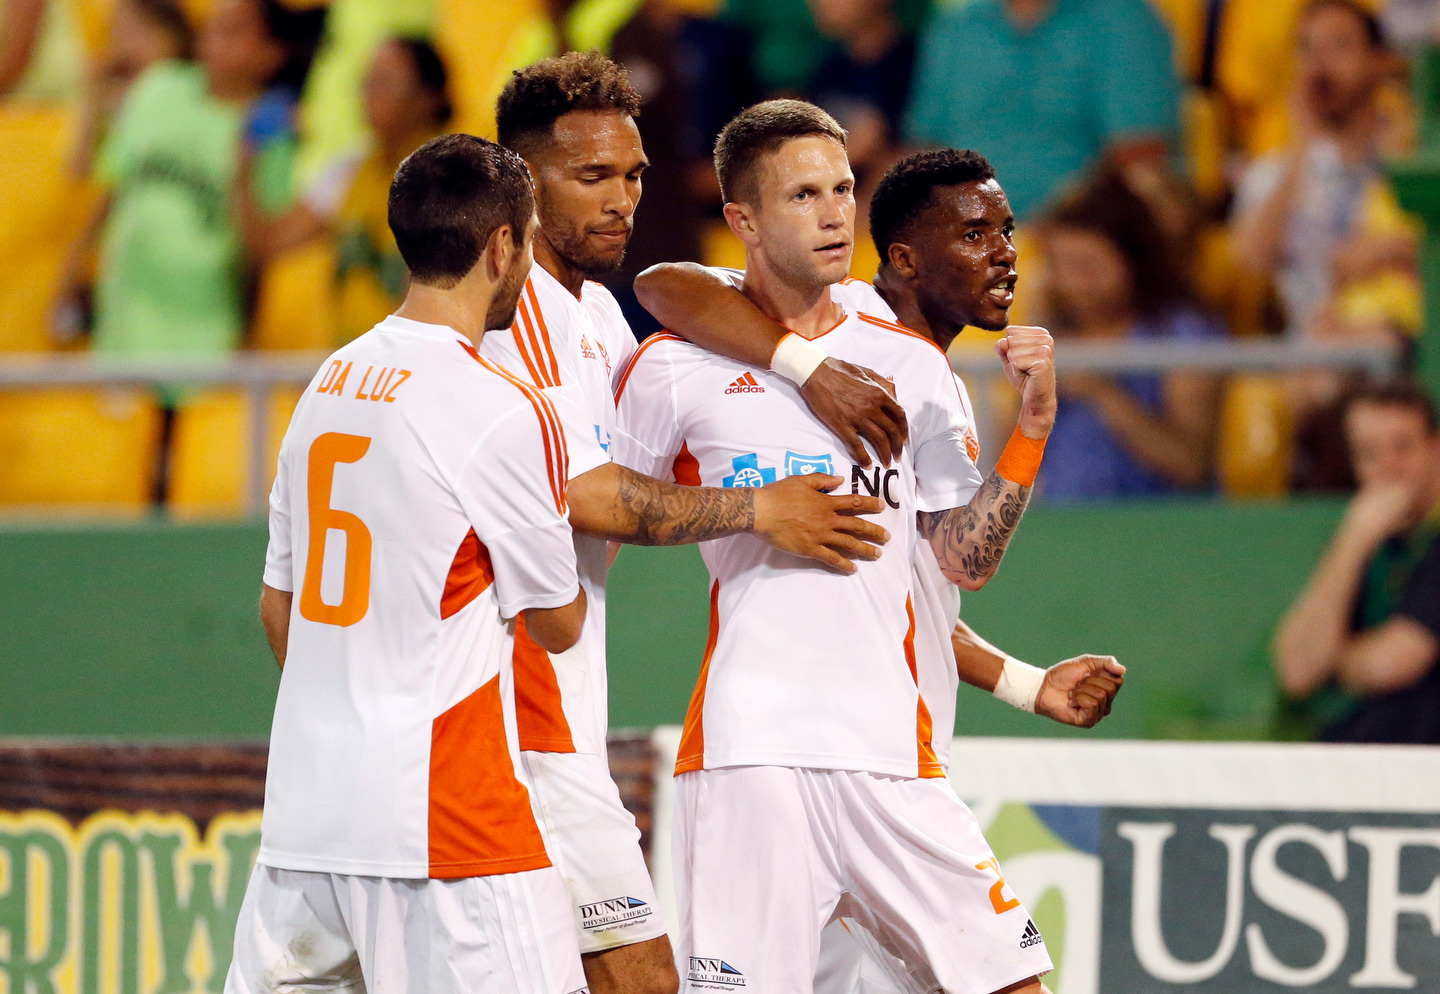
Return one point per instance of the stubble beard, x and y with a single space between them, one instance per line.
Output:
572 250
501 313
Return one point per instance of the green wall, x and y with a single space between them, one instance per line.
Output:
150 630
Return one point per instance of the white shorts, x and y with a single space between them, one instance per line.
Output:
301 931
852 961
765 856
593 842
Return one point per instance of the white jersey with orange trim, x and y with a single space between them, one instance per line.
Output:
804 667
573 349
419 503
937 600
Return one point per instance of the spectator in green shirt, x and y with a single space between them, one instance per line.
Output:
171 272
1360 644
1045 89
169 277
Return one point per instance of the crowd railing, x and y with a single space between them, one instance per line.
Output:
257 374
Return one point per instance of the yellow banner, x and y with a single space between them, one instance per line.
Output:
121 904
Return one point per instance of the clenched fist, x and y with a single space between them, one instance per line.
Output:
1028 355
1080 691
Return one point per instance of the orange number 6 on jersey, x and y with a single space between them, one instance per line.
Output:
327 450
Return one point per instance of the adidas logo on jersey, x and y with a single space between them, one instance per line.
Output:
745 384
1032 935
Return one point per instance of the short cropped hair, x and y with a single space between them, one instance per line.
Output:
1403 393
449 197
541 93
907 190
759 131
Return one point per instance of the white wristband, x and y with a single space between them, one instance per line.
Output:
796 357
1019 684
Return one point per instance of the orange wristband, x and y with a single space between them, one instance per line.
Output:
1020 462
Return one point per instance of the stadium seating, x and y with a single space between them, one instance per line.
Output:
294 309
209 463
42 209
1255 443
77 449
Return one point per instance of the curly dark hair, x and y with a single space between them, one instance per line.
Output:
448 197
907 188
1110 208
758 131
541 93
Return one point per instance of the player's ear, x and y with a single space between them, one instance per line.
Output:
500 253
741 219
902 259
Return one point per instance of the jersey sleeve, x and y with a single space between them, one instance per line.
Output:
512 488
941 430
647 435
858 295
279 558
582 437
735 277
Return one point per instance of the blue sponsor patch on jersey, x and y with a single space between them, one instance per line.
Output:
746 472
798 465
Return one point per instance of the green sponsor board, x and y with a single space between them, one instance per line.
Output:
122 903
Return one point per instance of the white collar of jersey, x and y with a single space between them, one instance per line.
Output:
542 277
422 329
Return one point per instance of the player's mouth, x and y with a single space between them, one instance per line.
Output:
835 250
614 236
1001 293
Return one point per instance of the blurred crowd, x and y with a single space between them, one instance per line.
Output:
194 177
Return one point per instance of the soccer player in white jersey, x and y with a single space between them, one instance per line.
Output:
572 119
419 502
807 709
420 510
942 226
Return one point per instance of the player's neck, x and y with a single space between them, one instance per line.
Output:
454 309
547 259
910 313
808 311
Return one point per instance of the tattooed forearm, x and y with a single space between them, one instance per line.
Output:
654 513
970 541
